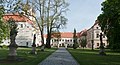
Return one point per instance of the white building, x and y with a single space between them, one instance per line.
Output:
26 30
93 36
66 39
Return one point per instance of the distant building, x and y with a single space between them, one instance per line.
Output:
26 30
93 36
65 38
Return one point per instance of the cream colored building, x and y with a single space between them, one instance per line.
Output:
26 31
93 36
66 40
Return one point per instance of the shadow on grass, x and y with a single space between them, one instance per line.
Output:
24 57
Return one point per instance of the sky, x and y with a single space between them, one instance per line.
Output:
82 14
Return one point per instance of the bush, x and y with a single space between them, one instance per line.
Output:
4 46
75 45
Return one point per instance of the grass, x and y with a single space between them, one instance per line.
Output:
29 59
89 57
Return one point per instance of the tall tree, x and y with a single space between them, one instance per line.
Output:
55 17
4 28
75 45
49 15
83 42
3 25
39 16
109 21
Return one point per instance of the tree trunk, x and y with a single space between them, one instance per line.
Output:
102 50
48 39
43 45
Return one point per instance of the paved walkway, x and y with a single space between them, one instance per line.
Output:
59 57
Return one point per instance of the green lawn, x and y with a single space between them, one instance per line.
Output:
88 57
28 59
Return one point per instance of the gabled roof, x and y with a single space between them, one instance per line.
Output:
96 22
82 33
17 18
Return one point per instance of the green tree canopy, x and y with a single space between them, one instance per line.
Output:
83 42
109 21
3 25
75 45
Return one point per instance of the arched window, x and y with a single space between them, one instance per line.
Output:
97 35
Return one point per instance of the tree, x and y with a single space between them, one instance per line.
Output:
37 7
55 17
75 45
3 25
109 21
83 42
49 16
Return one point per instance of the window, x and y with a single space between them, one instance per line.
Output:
63 40
96 27
68 40
52 40
68 45
103 35
59 39
21 25
79 40
97 44
27 26
97 35
55 40
103 44
71 40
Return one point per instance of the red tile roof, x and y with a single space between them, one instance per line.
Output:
17 18
83 33
65 35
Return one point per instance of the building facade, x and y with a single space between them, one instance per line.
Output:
93 37
26 30
65 40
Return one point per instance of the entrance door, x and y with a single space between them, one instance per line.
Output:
63 45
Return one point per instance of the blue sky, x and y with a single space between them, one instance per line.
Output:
82 14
